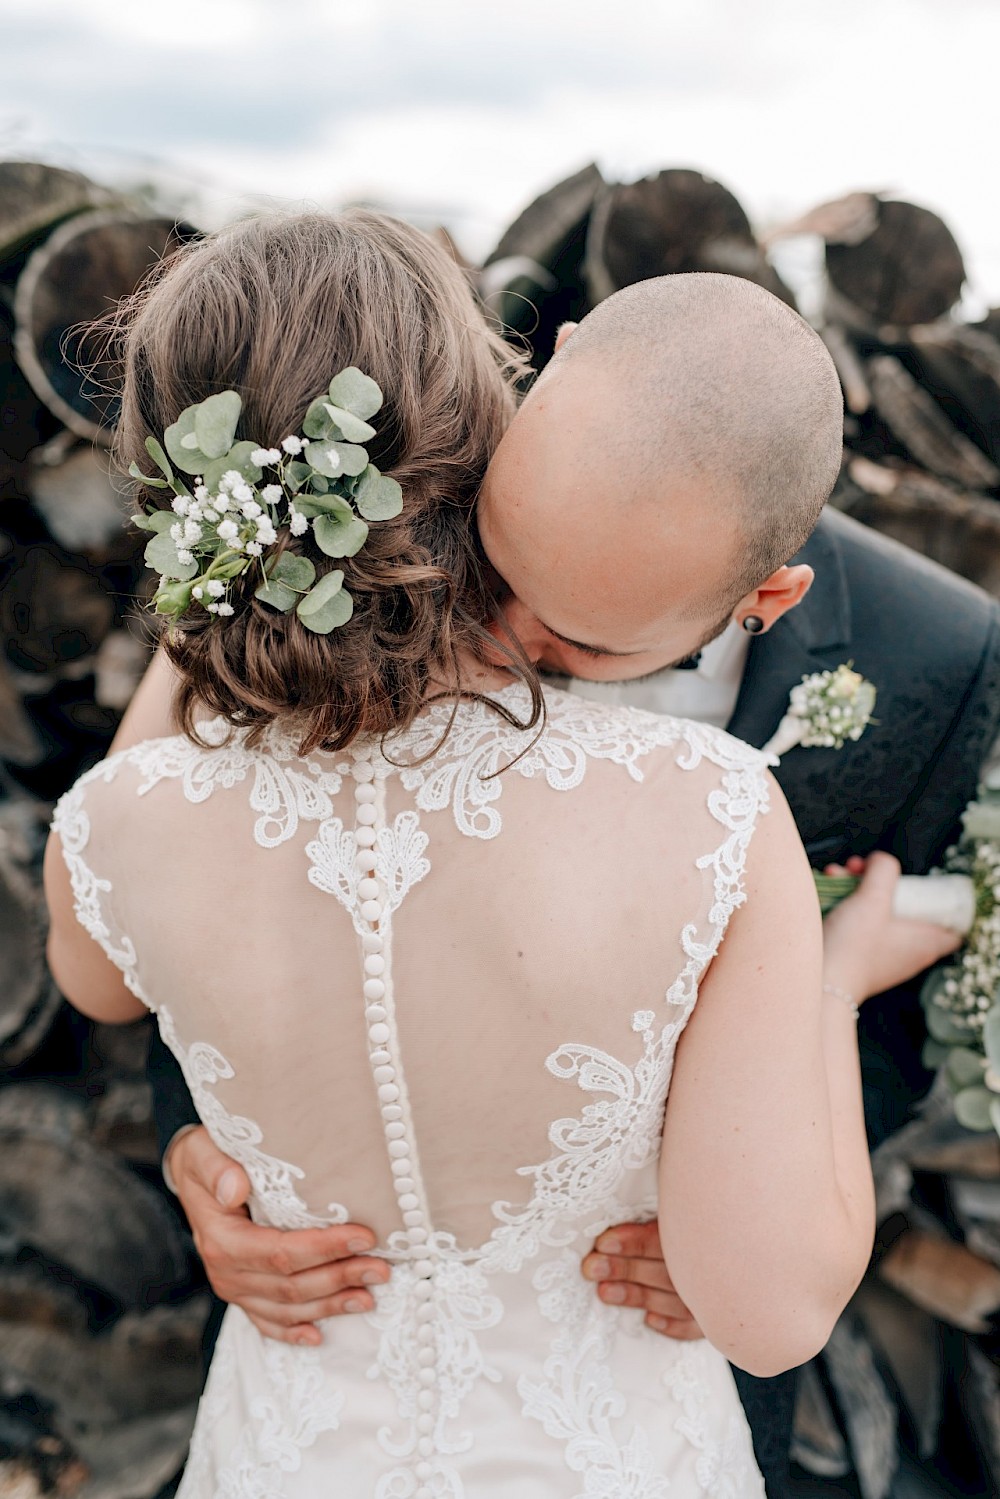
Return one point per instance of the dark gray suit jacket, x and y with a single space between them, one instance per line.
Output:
930 642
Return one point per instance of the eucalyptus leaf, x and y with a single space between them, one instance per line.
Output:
147 479
995 1114
160 458
327 606
296 474
296 572
378 497
316 423
190 460
273 592
333 614
348 427
353 460
964 1068
161 555
356 393
340 537
934 1055
215 422
942 1027
159 520
319 484
973 1108
238 458
325 458
991 1037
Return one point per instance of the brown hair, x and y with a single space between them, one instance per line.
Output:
273 308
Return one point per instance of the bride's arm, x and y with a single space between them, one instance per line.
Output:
767 1207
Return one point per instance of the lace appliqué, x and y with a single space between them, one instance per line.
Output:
399 852
576 1402
462 1305
274 1438
72 824
274 1199
725 1466
286 790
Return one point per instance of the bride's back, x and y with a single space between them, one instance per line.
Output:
414 987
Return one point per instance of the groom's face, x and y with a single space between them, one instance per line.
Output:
613 571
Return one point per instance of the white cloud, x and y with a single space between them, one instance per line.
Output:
470 109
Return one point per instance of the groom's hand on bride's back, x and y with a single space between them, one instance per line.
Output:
285 1280
627 1264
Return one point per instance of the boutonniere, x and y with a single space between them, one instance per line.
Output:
824 711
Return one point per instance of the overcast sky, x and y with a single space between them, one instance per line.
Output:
464 111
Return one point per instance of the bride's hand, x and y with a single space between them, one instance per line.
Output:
866 949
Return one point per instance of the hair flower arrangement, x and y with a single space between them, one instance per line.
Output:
242 497
824 711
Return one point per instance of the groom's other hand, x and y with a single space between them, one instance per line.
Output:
627 1263
286 1280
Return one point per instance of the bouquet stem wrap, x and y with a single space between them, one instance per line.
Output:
946 899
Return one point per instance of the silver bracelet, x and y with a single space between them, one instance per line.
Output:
844 997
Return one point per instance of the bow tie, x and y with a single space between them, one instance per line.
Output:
690 663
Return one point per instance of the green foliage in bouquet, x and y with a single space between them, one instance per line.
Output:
961 998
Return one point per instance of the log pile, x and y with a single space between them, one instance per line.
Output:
915 1362
101 1301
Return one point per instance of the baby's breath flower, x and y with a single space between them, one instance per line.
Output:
292 445
241 492
212 608
271 494
192 531
265 457
251 509
228 530
197 591
177 532
221 503
200 491
224 609
184 556
297 523
254 548
179 504
215 588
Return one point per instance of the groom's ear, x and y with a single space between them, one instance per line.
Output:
563 334
785 588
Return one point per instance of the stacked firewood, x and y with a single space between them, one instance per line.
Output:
101 1306
915 1362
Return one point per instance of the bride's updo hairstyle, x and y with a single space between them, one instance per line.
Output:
273 308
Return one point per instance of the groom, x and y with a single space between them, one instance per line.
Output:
929 642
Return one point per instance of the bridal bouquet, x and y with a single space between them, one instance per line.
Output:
961 997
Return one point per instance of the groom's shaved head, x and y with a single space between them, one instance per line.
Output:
727 386
675 453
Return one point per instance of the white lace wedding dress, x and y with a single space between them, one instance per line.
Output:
410 991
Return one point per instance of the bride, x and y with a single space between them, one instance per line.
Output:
386 888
